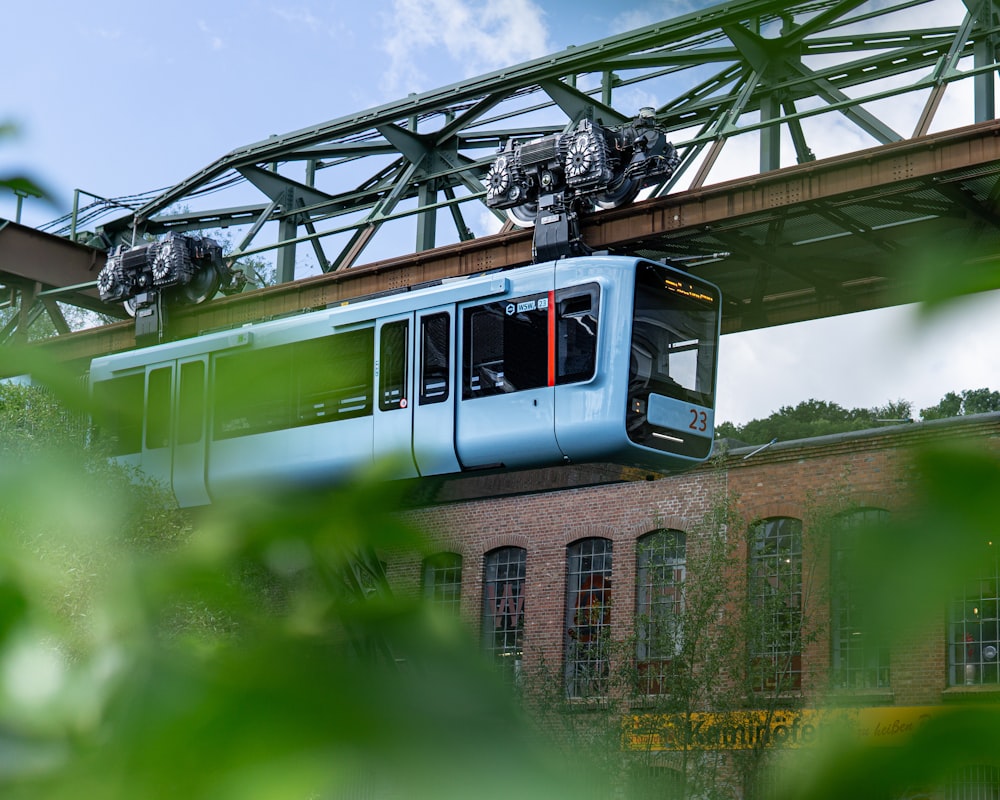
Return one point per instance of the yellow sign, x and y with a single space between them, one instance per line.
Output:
743 730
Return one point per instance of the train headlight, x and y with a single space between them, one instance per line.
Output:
989 652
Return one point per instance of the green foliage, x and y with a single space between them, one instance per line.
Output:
814 418
19 183
819 418
969 401
249 651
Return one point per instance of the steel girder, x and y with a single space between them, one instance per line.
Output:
757 71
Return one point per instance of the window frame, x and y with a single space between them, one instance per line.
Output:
393 364
661 553
503 610
858 661
587 620
973 629
775 658
309 382
435 348
442 581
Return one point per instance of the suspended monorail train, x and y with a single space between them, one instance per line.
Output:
580 360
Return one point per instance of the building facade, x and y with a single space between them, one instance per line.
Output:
587 580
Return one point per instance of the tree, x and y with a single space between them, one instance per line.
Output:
150 653
968 401
814 418
716 644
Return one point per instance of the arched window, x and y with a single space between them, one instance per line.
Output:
503 608
775 622
974 627
977 782
588 617
443 580
661 559
859 659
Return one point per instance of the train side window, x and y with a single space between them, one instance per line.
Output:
576 333
158 408
118 411
435 358
334 377
252 391
393 364
303 383
191 405
506 346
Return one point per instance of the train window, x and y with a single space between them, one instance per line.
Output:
435 358
506 346
252 392
334 377
393 362
304 383
576 333
191 403
158 408
118 409
674 335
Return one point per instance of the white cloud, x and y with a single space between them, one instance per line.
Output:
103 33
299 16
477 35
649 13
215 42
302 17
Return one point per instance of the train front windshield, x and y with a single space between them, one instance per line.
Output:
675 335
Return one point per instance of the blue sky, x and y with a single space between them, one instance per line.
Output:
119 97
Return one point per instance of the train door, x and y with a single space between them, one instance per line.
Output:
190 430
434 412
393 412
173 440
506 416
157 423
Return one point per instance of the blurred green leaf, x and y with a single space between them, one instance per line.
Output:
942 275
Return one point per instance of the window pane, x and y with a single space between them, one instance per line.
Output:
435 358
660 571
393 364
119 407
860 659
443 581
588 617
503 608
974 627
576 333
252 392
776 592
191 409
977 782
303 383
334 377
673 336
506 346
158 408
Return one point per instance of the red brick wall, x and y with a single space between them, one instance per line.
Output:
873 469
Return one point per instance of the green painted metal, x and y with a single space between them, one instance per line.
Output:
370 185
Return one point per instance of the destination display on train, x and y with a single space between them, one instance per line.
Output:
687 290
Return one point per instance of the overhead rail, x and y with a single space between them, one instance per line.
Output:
742 88
829 237
403 176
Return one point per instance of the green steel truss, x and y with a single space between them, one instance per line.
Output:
742 87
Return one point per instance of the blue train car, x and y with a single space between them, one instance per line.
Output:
589 359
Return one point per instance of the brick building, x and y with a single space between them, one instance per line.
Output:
552 577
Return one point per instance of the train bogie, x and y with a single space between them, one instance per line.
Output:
580 360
